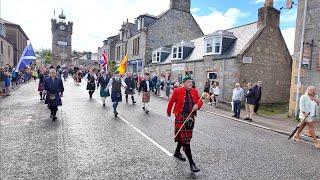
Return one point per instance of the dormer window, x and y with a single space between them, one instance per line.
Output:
177 52
213 45
156 57
160 54
139 23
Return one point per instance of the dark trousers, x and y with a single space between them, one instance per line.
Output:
237 108
53 110
132 97
187 151
256 107
90 93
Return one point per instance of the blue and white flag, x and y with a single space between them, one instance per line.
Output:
27 57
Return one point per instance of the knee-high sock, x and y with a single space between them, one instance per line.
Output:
132 97
178 147
187 150
40 93
127 97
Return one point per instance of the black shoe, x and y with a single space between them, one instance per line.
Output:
104 105
250 120
134 102
115 113
234 116
179 156
247 119
54 118
147 111
238 117
143 108
194 168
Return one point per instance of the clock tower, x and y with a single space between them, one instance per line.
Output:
61 41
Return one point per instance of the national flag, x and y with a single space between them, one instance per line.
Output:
123 65
27 57
103 61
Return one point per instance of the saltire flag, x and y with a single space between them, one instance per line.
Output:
123 65
27 57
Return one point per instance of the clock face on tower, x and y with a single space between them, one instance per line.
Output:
62 28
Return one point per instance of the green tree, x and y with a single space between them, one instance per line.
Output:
47 59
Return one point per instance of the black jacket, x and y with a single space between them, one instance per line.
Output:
250 96
143 86
257 92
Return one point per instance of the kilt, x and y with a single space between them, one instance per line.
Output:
184 135
116 96
91 86
41 86
129 91
145 97
103 92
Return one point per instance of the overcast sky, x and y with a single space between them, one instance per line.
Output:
95 20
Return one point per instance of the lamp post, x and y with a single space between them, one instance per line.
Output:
301 57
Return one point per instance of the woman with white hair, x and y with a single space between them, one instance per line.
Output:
308 110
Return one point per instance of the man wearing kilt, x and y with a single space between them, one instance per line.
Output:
91 82
103 82
54 88
41 85
186 101
145 87
130 82
116 96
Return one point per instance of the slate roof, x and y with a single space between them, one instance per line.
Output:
244 35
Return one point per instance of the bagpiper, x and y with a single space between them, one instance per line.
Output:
54 90
186 102
116 96
145 87
130 82
103 82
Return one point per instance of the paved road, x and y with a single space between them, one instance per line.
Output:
87 142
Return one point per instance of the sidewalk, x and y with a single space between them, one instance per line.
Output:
273 123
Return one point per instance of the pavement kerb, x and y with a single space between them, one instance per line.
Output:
286 133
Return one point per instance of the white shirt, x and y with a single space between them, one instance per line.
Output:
148 86
216 90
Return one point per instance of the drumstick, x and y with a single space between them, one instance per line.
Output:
188 116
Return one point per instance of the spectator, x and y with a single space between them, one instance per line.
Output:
257 90
237 97
249 101
2 87
7 82
216 93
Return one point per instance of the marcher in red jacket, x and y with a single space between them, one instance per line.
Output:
185 100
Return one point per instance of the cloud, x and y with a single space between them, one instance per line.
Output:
195 10
217 20
289 36
93 20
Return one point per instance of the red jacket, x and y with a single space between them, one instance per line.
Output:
178 97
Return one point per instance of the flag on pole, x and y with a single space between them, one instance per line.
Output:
103 60
27 57
123 65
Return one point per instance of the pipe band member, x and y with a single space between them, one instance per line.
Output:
185 100
116 96
130 82
91 78
54 90
146 88
103 82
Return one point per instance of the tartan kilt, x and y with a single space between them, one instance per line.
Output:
184 135
145 97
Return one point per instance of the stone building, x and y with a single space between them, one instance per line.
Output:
17 37
149 32
310 66
249 53
109 47
61 41
6 48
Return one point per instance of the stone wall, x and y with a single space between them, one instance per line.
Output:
6 58
312 32
170 29
13 34
271 64
142 46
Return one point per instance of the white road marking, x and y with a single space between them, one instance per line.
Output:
139 131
